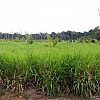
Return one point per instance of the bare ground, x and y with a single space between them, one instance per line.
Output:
32 94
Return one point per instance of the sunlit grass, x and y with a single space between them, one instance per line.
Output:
65 68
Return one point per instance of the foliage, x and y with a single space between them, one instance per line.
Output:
94 41
64 35
49 38
55 41
17 39
52 41
86 82
67 68
29 38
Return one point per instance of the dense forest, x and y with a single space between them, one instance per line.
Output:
64 35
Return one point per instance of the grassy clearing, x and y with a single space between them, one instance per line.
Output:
65 68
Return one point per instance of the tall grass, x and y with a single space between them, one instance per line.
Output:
65 68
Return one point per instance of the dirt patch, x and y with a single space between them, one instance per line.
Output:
32 94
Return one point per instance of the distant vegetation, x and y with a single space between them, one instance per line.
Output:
92 35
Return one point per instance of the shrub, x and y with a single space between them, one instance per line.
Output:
55 41
29 38
94 40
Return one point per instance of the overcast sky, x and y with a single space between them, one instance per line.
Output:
48 15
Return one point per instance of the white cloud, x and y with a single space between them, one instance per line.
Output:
48 15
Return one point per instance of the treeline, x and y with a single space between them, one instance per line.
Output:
64 35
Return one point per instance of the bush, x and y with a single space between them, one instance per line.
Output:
55 41
94 40
29 39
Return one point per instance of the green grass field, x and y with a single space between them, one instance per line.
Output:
65 68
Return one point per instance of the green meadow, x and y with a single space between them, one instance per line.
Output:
67 68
